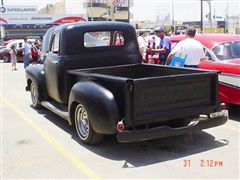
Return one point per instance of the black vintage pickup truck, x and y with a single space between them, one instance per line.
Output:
93 78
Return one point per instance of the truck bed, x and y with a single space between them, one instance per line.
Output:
148 94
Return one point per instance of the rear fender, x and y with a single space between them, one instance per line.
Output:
100 104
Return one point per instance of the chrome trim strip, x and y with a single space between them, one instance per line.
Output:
230 79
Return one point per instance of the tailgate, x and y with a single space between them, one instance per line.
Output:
153 100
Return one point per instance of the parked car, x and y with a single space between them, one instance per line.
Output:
5 51
103 88
4 43
222 54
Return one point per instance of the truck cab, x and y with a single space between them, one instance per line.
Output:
83 47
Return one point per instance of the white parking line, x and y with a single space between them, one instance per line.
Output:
232 128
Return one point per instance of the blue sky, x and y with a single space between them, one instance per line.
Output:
184 10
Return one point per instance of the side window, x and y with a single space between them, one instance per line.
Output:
103 39
55 44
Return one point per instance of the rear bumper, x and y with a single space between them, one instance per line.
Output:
165 131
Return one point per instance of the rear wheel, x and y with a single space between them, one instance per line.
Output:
35 95
84 128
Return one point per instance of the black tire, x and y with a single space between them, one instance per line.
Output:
35 95
6 59
84 128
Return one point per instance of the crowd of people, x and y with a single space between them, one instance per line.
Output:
31 52
156 48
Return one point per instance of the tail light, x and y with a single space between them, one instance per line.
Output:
120 126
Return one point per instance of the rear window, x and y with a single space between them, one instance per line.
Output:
103 39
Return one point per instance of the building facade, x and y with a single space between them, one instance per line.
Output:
109 10
18 22
58 8
97 10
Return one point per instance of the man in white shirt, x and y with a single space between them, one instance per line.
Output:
142 44
26 53
189 47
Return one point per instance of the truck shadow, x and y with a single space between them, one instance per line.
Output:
147 152
155 151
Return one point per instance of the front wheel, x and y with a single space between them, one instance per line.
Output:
84 128
6 59
35 95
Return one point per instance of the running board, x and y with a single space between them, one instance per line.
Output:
56 108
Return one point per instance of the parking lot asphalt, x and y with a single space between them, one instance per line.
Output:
37 144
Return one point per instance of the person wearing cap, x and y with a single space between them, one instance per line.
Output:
164 47
189 48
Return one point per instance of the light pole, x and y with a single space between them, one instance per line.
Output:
210 14
201 23
226 21
129 11
2 33
92 10
113 12
173 18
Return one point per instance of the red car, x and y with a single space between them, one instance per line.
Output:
222 54
5 51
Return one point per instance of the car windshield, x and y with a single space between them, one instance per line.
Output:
227 51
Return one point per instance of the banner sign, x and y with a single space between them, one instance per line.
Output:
18 9
40 19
